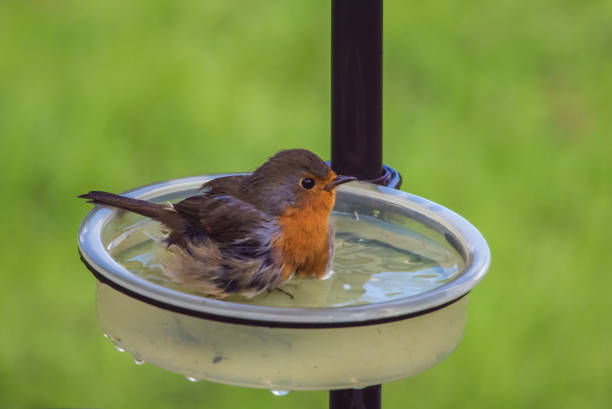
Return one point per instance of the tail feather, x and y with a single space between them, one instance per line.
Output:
161 213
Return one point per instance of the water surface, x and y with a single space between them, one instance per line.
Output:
375 261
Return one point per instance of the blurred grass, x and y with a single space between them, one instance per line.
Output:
497 110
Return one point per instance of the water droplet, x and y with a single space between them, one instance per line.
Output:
280 393
106 335
191 379
138 361
119 348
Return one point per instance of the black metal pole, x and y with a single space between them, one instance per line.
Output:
356 88
356 123
367 398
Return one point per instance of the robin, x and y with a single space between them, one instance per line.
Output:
249 233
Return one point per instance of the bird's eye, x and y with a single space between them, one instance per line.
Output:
307 183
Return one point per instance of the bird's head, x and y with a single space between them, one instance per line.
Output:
295 178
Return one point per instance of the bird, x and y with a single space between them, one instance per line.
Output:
245 234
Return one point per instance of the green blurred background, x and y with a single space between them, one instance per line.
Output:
499 110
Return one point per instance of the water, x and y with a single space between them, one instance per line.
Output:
280 393
375 261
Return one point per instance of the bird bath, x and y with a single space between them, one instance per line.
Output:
351 330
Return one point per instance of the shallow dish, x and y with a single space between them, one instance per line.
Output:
289 348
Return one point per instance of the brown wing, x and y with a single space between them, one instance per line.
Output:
225 219
227 247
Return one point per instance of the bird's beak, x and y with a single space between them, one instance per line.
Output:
341 179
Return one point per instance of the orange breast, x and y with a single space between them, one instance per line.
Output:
304 240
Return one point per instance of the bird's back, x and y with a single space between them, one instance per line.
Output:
226 185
